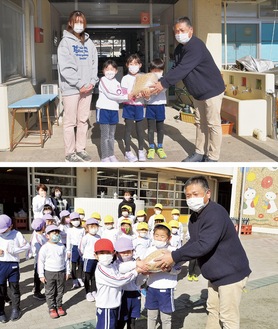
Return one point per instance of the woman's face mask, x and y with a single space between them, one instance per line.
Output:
78 27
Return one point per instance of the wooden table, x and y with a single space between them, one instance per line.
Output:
33 104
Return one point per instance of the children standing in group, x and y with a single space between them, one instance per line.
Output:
133 110
53 269
109 285
12 243
38 239
90 262
161 285
143 241
155 113
110 95
74 236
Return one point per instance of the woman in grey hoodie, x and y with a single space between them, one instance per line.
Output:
78 67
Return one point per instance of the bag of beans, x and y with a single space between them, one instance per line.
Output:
150 260
143 82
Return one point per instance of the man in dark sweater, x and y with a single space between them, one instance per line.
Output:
127 201
194 65
221 257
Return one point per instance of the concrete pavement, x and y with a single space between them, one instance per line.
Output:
258 307
179 141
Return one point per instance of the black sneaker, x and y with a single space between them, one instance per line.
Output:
195 157
39 296
73 158
16 314
3 318
84 156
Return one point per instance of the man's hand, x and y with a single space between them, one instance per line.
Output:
165 261
156 88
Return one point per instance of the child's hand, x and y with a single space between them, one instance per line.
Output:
146 94
69 255
43 280
130 97
67 277
1 253
141 265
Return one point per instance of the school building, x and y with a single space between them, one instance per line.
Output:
248 193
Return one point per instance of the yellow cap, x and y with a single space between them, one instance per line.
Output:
140 213
80 211
142 226
126 221
159 205
165 224
175 212
159 217
174 223
108 219
96 215
127 207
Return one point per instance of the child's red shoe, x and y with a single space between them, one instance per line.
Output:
53 313
61 312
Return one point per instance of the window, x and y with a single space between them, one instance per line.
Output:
269 47
110 48
11 41
242 40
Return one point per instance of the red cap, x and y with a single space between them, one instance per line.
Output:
104 245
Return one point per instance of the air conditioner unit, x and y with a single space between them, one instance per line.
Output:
58 109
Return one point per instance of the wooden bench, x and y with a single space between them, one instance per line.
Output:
33 104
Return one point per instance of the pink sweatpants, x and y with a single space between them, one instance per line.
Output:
76 114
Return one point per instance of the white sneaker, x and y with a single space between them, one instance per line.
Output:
81 283
105 159
113 159
130 156
90 297
94 294
142 155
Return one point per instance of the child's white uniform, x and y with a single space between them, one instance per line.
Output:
74 236
36 242
63 232
53 258
110 94
127 82
176 241
87 245
13 245
109 285
110 234
141 245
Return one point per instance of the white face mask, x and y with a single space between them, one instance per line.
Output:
78 27
195 204
75 223
176 217
133 69
109 226
125 213
157 212
174 230
158 74
159 244
143 234
57 194
81 217
93 231
182 37
140 219
127 197
110 74
105 259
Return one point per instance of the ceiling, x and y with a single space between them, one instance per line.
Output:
112 12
